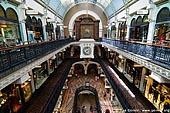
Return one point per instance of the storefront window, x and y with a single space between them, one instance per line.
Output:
139 29
113 32
40 74
157 93
144 28
132 29
9 28
162 28
122 31
50 31
34 29
26 90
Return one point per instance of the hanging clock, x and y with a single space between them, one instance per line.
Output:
87 50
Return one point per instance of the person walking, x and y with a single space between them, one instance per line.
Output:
91 108
84 109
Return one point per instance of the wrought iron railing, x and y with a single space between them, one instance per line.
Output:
158 54
16 57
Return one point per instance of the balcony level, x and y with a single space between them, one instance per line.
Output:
16 61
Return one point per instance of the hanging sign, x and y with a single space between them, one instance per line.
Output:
142 12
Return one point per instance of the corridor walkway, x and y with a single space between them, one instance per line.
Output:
77 81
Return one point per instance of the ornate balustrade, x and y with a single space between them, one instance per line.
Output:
158 54
18 56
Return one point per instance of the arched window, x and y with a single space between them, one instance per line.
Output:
2 12
162 27
139 20
34 20
132 29
40 29
28 20
40 22
133 22
113 31
145 19
11 14
9 31
163 15
144 28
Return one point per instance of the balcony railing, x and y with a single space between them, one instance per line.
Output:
158 54
14 58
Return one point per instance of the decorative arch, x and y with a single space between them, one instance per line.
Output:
145 19
85 64
77 14
34 20
89 88
163 15
2 12
139 20
28 20
11 14
133 22
39 22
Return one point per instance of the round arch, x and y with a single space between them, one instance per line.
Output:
34 20
2 12
91 89
133 22
85 64
11 14
163 15
139 20
79 13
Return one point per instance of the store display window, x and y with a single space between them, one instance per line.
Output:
113 32
122 30
139 29
9 28
144 28
132 29
34 30
162 27
40 73
157 93
50 31
26 90
58 34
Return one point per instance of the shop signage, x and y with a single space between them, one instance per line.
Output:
142 12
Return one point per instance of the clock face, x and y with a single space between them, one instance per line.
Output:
86 50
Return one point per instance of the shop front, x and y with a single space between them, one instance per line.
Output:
122 31
162 27
9 28
40 74
50 31
139 29
133 72
113 32
57 30
157 91
15 95
34 30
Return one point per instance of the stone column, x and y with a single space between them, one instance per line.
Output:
152 21
117 30
141 88
44 23
22 9
124 65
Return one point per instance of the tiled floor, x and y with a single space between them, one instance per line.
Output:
76 82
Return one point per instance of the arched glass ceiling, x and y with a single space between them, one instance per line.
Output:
108 6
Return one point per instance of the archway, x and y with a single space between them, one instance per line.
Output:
89 89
